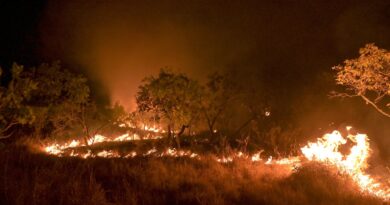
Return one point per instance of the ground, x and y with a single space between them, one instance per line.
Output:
36 178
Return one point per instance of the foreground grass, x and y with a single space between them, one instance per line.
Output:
27 178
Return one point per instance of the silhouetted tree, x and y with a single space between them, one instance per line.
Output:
220 91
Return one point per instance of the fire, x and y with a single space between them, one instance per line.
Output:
324 150
59 149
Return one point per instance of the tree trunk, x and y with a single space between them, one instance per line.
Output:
169 135
177 138
211 121
243 126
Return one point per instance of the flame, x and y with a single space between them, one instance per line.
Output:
256 157
59 149
324 150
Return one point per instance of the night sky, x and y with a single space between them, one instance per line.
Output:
289 46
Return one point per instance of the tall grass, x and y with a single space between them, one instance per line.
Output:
28 178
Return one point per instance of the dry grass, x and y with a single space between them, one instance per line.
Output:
27 178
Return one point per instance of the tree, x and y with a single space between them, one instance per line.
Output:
94 119
14 109
67 106
233 106
51 100
220 91
60 100
367 77
173 99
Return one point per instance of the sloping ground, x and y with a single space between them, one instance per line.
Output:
28 178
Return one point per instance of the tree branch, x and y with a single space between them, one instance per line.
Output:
335 94
7 136
368 101
8 127
379 97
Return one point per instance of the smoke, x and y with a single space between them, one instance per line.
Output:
288 47
121 43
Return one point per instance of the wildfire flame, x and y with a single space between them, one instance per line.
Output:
324 150
59 149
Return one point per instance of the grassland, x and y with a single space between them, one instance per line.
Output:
34 178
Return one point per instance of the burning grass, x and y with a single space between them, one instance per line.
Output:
134 171
325 150
28 178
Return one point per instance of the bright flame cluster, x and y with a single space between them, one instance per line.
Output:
59 149
324 150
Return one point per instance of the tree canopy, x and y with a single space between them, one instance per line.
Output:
368 77
173 99
14 109
60 98
49 100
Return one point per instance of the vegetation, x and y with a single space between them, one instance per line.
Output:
214 117
13 107
49 101
38 179
172 99
220 93
229 111
368 77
